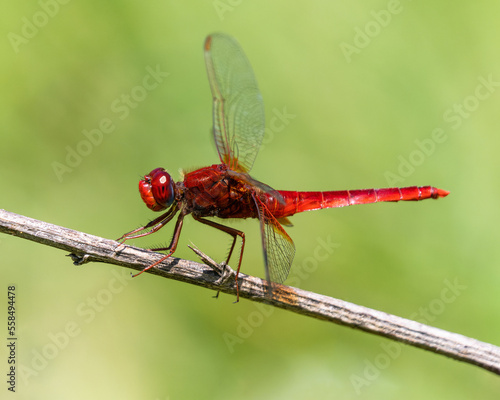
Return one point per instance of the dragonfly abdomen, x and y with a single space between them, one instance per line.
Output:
296 202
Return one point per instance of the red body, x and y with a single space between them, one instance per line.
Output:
216 191
296 202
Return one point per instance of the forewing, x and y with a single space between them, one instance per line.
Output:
277 246
238 110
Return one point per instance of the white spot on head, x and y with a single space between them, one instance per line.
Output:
163 179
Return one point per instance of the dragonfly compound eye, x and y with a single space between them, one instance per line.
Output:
157 189
162 187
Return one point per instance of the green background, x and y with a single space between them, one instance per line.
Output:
357 118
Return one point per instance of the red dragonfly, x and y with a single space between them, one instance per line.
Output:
226 190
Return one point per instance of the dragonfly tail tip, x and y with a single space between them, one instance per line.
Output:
443 193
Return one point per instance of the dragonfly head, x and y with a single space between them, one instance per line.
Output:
157 189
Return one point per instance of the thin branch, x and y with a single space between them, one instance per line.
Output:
86 248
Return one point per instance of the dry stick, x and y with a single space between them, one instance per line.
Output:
86 248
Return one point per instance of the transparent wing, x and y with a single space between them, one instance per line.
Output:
238 110
278 247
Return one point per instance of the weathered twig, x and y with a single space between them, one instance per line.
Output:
86 248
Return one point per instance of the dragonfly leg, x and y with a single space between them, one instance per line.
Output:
173 243
155 225
234 233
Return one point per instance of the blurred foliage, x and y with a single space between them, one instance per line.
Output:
365 84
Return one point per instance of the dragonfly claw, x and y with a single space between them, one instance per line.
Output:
119 248
224 271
